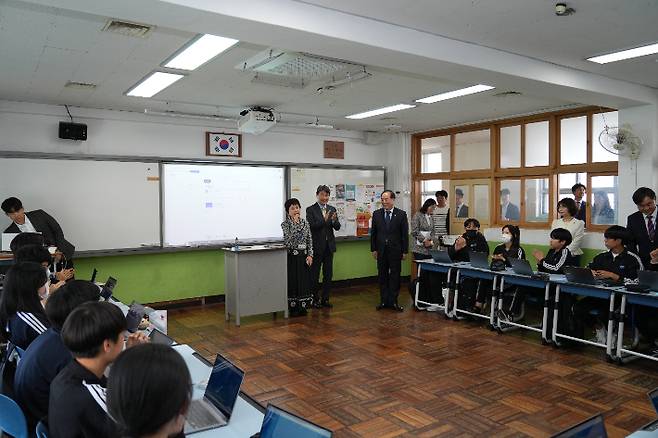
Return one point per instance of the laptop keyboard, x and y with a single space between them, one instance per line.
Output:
652 427
199 416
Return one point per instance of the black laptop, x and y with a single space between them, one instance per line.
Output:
157 337
584 276
107 288
479 259
593 427
521 267
647 281
280 423
653 426
440 256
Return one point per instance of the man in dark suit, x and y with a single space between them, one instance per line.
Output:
508 211
389 243
641 225
461 209
37 221
578 191
323 220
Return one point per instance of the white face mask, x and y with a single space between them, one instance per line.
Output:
506 238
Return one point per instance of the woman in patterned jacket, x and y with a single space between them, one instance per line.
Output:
297 238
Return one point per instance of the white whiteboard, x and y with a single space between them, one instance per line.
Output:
355 194
99 204
207 204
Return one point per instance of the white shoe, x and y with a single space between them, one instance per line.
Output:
432 309
601 336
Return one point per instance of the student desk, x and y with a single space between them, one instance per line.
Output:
640 299
467 270
596 291
510 277
443 268
247 415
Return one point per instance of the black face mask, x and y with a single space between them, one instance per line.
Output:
471 234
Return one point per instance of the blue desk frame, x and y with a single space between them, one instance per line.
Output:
640 299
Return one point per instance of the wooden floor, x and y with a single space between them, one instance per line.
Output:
361 372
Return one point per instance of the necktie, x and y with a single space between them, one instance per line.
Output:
651 228
388 217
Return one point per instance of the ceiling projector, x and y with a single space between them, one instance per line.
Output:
256 120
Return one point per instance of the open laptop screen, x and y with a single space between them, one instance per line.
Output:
224 385
653 396
280 423
590 428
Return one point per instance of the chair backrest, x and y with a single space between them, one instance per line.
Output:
12 420
42 430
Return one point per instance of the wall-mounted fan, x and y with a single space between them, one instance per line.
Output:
621 141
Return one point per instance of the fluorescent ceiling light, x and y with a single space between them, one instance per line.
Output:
376 112
153 84
625 54
200 51
457 93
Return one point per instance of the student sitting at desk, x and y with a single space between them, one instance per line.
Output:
24 239
39 254
509 249
94 334
471 240
617 264
47 355
558 256
22 317
142 375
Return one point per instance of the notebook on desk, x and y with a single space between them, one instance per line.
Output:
215 408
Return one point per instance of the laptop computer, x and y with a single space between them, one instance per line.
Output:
521 267
479 259
215 408
157 337
108 287
593 427
440 256
6 241
281 423
653 426
648 280
584 276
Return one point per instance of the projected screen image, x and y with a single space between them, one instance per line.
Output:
207 204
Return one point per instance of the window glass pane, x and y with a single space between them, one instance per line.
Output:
599 122
567 180
435 154
536 144
430 187
461 201
537 205
573 140
472 150
510 146
605 201
510 197
481 204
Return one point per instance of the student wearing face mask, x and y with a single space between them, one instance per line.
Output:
471 240
22 317
511 246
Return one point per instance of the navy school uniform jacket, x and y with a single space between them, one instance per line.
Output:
24 327
555 261
477 244
77 406
626 264
42 361
513 253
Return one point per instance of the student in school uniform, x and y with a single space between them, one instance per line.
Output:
471 240
22 317
94 334
141 375
39 254
510 249
558 255
47 355
616 264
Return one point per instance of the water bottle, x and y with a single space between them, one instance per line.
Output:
236 246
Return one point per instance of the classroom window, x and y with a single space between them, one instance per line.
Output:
510 200
537 144
510 146
573 140
566 181
435 154
481 205
473 150
430 186
537 200
599 122
605 201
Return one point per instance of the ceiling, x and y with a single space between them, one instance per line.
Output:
42 48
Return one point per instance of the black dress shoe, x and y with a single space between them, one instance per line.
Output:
327 304
397 308
381 306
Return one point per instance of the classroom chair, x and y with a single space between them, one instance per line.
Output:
12 419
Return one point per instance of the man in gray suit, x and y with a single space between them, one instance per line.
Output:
37 221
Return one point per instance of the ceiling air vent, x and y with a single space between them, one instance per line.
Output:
126 28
